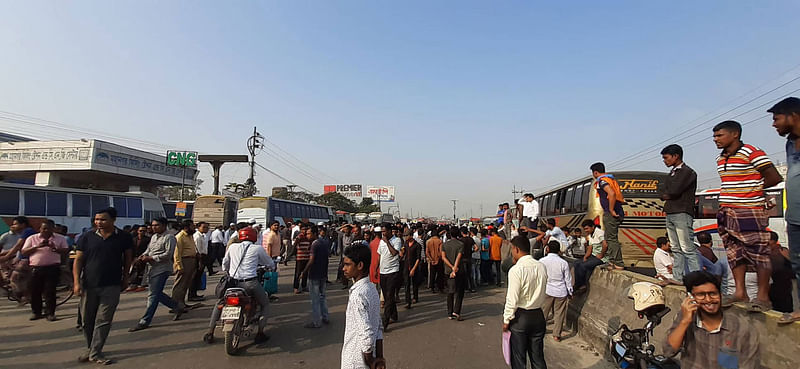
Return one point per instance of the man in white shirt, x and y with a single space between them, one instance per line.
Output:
559 287
241 263
390 250
201 245
662 260
530 211
363 333
527 284
217 248
555 234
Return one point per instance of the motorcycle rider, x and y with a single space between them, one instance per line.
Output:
245 274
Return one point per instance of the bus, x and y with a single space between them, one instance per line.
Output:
266 209
645 219
214 209
169 209
707 205
74 207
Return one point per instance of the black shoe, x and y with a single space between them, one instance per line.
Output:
196 298
138 327
208 338
261 338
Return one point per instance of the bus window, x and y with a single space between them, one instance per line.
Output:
99 202
81 205
568 200
35 203
135 207
543 206
585 196
551 204
707 207
9 202
122 206
56 204
777 196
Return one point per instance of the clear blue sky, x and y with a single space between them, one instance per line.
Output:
443 99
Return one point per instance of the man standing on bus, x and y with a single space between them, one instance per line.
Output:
678 199
744 171
786 120
611 200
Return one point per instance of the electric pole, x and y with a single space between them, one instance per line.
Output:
455 218
254 145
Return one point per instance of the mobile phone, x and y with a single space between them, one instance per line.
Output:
692 297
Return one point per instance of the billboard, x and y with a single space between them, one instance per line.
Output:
381 193
350 191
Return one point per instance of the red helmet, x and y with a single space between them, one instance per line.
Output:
248 234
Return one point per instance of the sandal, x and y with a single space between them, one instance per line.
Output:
758 306
102 361
729 300
788 318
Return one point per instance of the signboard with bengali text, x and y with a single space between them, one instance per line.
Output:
381 193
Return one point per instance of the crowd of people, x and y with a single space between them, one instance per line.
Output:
542 264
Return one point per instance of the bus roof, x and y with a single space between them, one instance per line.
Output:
628 174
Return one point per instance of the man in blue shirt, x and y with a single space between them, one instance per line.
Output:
786 120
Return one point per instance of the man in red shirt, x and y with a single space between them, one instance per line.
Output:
44 251
374 275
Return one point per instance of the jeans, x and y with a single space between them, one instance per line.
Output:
527 339
611 229
155 296
793 231
499 270
319 306
583 270
476 271
468 267
44 280
680 230
412 284
486 271
437 276
98 307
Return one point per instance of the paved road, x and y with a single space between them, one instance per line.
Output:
423 338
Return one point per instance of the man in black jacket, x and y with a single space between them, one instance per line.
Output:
678 199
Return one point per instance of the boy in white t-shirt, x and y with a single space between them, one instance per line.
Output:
663 260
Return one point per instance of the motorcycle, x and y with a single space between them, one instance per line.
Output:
240 315
631 348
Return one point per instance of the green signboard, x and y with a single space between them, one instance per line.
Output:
182 158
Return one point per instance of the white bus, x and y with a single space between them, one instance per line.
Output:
74 207
266 209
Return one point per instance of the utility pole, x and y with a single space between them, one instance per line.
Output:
455 218
514 192
254 145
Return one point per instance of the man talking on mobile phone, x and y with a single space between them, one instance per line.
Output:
704 337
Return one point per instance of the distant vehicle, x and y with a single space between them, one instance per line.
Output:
169 209
645 219
343 217
267 209
377 217
74 207
361 217
215 210
707 206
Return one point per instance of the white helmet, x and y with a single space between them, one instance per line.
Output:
646 295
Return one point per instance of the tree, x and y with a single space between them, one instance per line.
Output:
174 192
368 206
337 201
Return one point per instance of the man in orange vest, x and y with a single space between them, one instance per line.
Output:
611 200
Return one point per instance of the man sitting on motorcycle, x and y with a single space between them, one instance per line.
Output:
241 262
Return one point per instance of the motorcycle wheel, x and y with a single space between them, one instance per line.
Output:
233 337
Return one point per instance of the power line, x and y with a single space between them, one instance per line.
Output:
287 180
323 174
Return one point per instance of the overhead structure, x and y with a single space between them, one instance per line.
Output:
216 162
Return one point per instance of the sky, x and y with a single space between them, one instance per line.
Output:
445 100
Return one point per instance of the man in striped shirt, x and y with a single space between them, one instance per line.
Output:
744 171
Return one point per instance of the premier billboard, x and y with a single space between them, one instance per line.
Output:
350 191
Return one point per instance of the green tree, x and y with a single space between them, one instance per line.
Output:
241 189
337 201
368 206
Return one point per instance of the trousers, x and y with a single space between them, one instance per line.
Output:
558 305
390 284
157 296
455 293
611 228
98 306
184 281
527 339
43 281
680 230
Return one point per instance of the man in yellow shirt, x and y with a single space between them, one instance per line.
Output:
185 264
